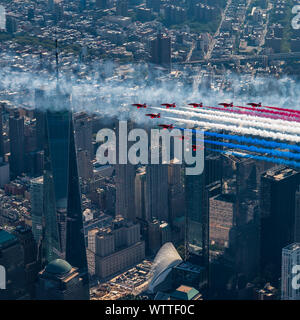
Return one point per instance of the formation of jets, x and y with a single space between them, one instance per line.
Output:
194 104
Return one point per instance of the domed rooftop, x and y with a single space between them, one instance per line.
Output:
58 266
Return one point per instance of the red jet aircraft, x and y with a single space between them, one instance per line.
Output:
254 105
139 105
195 147
196 105
166 126
226 105
153 115
182 137
169 105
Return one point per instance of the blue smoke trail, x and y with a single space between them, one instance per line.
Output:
262 142
273 160
255 149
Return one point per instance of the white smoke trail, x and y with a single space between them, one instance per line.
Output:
241 130
244 116
226 118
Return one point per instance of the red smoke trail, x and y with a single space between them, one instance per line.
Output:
255 114
283 109
286 114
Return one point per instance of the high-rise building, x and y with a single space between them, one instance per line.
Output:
122 8
290 258
277 217
31 262
114 248
161 50
197 216
12 259
140 191
125 203
4 173
176 194
125 184
297 217
58 11
156 199
62 196
102 4
60 281
16 136
153 4
36 199
1 134
11 24
84 133
40 118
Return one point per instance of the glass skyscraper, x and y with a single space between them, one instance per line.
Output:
63 236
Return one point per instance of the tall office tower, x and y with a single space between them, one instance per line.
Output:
40 101
36 199
153 4
16 136
85 167
140 192
277 217
82 5
4 173
58 11
50 5
102 4
125 203
197 216
29 139
84 133
31 263
175 192
11 24
12 259
61 186
122 8
1 133
156 205
297 217
60 281
290 259
160 50
213 168
125 184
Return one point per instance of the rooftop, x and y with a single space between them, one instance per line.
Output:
184 293
6 237
58 267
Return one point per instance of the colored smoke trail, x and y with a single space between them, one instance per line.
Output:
244 115
282 109
241 130
253 114
271 112
242 139
262 158
273 152
250 122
